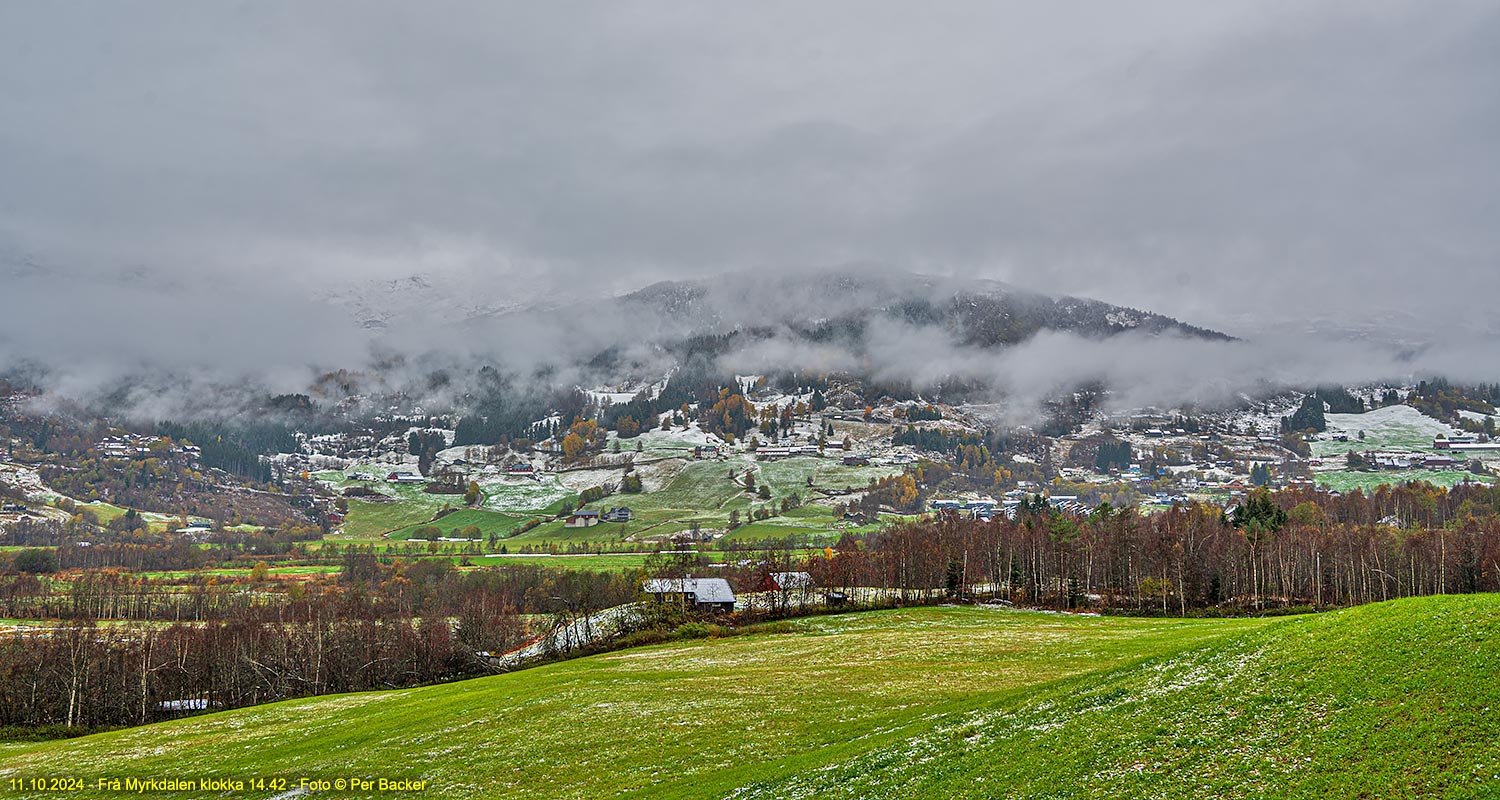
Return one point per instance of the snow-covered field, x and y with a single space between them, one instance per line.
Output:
1400 428
505 493
27 480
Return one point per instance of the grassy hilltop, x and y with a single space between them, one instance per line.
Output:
1391 700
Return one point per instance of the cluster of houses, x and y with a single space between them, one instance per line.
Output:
1404 461
831 450
764 453
985 509
588 518
406 476
348 446
132 445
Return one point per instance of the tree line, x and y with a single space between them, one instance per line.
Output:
381 626
1288 549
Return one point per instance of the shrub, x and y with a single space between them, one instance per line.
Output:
37 562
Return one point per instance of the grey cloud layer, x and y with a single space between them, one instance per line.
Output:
1242 165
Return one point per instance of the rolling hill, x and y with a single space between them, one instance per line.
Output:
1390 700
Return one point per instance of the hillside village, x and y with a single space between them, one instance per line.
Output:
1146 459
822 468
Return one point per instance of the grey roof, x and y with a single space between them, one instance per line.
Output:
704 590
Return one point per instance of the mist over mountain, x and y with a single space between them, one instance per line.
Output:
425 343
837 305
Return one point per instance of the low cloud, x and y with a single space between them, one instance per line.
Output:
1137 370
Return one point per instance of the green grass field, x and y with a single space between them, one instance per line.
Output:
486 521
105 513
368 520
1380 701
1346 481
623 562
1391 700
701 493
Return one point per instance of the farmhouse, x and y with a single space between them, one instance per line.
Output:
1474 446
1445 442
703 594
860 460
520 468
621 514
582 518
1393 460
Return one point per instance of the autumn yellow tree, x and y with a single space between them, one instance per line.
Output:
573 446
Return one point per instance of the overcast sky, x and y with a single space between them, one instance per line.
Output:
1241 165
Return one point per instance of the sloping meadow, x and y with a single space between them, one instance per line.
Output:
1392 700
